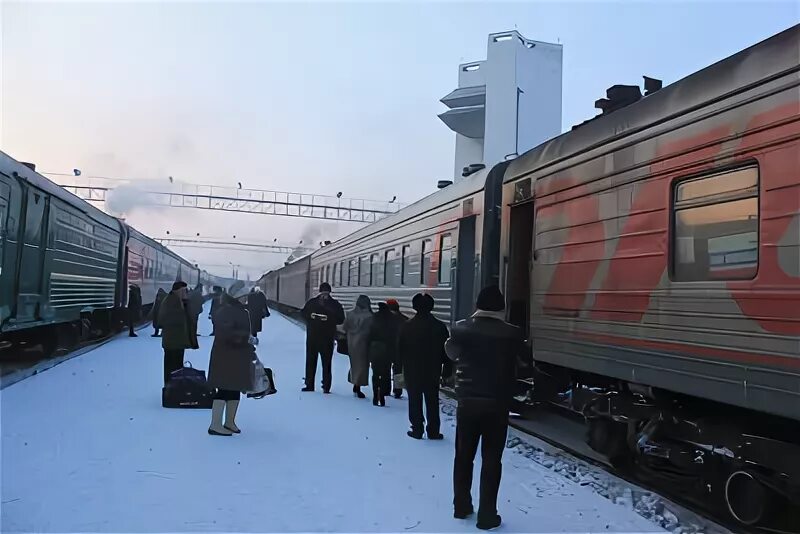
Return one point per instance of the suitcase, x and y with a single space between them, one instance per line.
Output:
187 388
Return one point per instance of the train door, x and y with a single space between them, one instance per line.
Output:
32 258
465 269
5 193
520 266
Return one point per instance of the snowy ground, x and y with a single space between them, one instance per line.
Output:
86 447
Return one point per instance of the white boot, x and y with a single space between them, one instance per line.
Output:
216 428
230 416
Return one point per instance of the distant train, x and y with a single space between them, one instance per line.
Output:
652 256
65 266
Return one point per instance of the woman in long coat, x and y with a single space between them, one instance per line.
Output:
231 366
356 326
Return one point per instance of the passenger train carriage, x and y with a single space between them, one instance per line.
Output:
652 256
65 265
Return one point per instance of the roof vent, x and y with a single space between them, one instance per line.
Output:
472 169
617 97
31 166
651 85
444 183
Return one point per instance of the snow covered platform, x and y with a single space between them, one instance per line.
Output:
86 447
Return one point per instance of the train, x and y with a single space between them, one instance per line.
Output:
65 265
652 257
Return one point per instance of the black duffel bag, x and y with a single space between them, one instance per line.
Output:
187 388
341 343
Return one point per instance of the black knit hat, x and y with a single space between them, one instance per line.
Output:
491 299
324 286
178 285
422 302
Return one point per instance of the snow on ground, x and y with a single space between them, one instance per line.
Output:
86 447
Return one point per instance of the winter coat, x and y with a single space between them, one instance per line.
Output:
383 332
399 321
216 300
485 351
319 330
421 348
160 296
173 318
196 300
257 306
232 355
357 328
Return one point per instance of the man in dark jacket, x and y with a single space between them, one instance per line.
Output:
420 346
485 350
134 308
397 363
258 310
216 302
173 318
160 296
322 313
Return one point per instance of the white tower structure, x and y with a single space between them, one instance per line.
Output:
506 104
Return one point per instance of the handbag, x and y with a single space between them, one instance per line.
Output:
262 380
187 388
341 344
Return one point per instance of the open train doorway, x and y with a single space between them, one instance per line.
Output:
465 269
520 266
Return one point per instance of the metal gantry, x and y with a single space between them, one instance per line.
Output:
121 196
216 243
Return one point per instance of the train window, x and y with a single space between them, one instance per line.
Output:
335 281
445 259
389 269
365 273
716 227
352 273
341 273
427 256
407 266
374 267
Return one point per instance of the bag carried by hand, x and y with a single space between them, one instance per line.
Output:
341 343
187 388
263 381
399 381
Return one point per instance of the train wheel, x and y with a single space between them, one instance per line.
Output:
746 498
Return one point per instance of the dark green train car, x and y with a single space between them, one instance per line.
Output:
59 257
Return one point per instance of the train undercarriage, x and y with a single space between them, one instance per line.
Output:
744 465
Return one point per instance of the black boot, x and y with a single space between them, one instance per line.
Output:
398 393
488 523
382 397
358 393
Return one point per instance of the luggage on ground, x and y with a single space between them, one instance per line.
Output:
187 388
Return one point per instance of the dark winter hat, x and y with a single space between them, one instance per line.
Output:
491 299
324 286
178 285
422 302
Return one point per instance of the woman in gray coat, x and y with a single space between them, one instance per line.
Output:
356 326
230 368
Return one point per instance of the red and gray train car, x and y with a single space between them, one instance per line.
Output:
652 256
65 265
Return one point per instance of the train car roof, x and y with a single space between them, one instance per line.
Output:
9 165
775 55
460 189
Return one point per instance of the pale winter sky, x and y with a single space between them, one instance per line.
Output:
305 97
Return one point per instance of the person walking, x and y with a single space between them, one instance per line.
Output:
257 306
485 350
160 295
397 364
382 348
173 318
230 367
421 344
356 327
134 308
322 314
195 306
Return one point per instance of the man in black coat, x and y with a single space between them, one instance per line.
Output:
420 347
485 349
322 313
195 302
134 308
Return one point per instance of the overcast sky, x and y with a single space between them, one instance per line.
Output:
304 97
